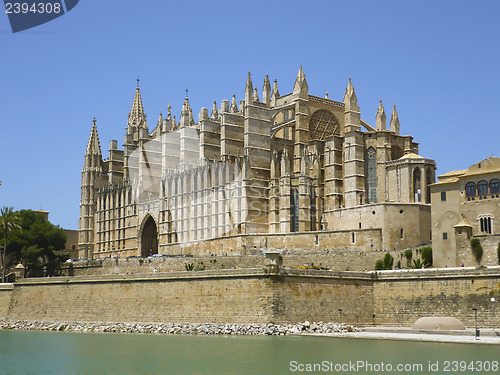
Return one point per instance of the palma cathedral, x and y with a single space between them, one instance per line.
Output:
288 172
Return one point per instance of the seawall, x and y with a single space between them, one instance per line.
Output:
255 296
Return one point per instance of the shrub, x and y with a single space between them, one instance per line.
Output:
193 267
379 265
427 256
477 249
408 253
416 264
388 261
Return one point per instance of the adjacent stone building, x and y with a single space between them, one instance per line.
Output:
465 205
292 171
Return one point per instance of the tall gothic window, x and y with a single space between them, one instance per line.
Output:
294 203
417 192
371 174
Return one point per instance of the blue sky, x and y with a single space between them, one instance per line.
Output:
438 61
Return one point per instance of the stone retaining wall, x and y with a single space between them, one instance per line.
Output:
255 296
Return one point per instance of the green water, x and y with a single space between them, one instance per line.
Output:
23 353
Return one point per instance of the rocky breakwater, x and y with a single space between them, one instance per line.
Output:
184 328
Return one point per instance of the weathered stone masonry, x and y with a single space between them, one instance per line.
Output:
254 296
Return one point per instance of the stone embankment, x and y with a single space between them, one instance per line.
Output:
183 328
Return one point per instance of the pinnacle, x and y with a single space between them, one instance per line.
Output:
137 108
300 82
249 87
234 106
94 146
215 112
275 92
137 117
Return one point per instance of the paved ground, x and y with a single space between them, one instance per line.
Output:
487 336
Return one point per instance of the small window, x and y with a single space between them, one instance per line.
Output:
470 189
445 236
353 237
443 196
401 233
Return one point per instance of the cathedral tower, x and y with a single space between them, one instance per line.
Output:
92 176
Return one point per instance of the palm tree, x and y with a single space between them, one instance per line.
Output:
9 220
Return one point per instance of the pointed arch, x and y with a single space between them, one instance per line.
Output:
149 236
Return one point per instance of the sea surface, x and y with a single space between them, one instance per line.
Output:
35 352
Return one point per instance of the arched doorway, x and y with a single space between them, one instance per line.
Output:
149 238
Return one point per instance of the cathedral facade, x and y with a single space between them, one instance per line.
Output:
286 171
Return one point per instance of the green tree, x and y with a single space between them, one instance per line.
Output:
427 256
9 221
36 244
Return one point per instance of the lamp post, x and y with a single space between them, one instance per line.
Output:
477 330
493 300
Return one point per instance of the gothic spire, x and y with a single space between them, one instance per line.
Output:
275 94
249 90
215 112
300 85
380 118
266 91
93 146
350 99
186 114
137 117
255 95
234 106
159 125
160 120
394 121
